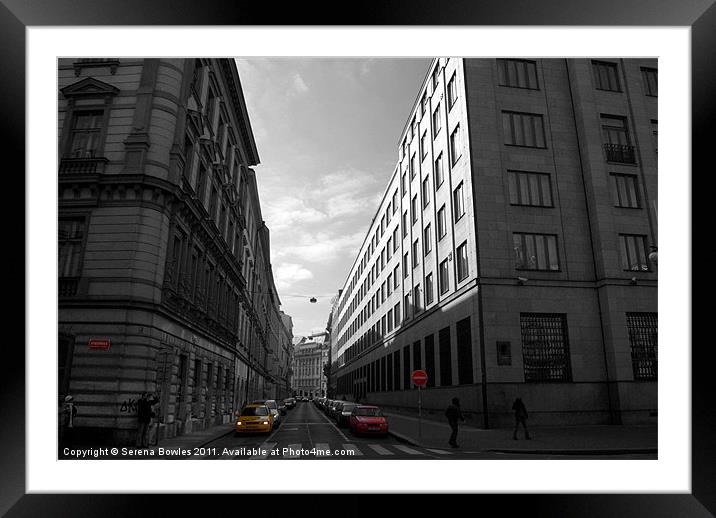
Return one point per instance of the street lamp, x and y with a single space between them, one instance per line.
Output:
654 255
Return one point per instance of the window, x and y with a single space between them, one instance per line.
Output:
442 224
424 145
210 102
532 189
389 320
626 192
396 314
424 104
458 202
86 134
463 269
426 240
643 337
617 143
395 201
463 334
633 252
406 268
396 276
436 121
445 357
523 129
606 76
407 381
655 134
426 192
413 166
504 353
417 356
452 91
388 248
395 239
455 149
439 171
213 202
414 208
436 76
404 184
545 348
416 253
535 251
444 277
70 237
651 83
416 299
517 73
389 283
405 223
388 214
428 289
430 359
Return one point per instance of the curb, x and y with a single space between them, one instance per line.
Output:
636 451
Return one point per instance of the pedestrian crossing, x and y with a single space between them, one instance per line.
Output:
343 450
274 450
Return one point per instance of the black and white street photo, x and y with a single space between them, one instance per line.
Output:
357 258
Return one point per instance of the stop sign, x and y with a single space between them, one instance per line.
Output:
420 378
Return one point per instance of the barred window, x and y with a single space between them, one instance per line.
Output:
517 73
643 334
651 83
523 129
535 251
530 189
545 347
633 252
606 76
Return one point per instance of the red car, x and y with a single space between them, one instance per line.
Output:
368 419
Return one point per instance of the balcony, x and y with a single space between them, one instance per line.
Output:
91 165
620 153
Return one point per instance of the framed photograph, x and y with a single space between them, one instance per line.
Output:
244 253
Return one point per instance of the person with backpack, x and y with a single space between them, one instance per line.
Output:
144 418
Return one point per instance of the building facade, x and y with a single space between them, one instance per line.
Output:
310 357
165 280
512 254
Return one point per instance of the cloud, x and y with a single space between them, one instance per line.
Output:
286 274
322 247
289 212
299 86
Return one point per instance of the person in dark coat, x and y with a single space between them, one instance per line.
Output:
68 412
144 418
520 418
454 414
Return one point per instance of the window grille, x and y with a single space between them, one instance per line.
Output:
545 348
643 337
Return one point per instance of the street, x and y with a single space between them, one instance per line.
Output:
306 433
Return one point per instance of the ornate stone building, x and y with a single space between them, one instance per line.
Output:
165 280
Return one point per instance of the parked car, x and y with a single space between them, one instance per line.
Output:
343 415
290 402
253 418
335 407
368 419
327 405
273 406
282 407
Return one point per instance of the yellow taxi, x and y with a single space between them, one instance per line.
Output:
254 418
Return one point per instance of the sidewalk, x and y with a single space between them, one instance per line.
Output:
563 440
194 439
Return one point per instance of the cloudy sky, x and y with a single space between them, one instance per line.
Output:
327 133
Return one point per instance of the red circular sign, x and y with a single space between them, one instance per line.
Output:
420 378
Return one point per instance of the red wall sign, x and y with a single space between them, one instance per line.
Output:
99 344
420 378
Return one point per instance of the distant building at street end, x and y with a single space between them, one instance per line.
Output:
309 357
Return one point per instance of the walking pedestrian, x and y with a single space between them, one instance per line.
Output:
67 420
144 418
454 414
520 418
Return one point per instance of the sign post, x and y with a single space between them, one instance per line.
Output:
420 378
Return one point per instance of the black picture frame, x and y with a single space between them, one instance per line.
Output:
16 15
